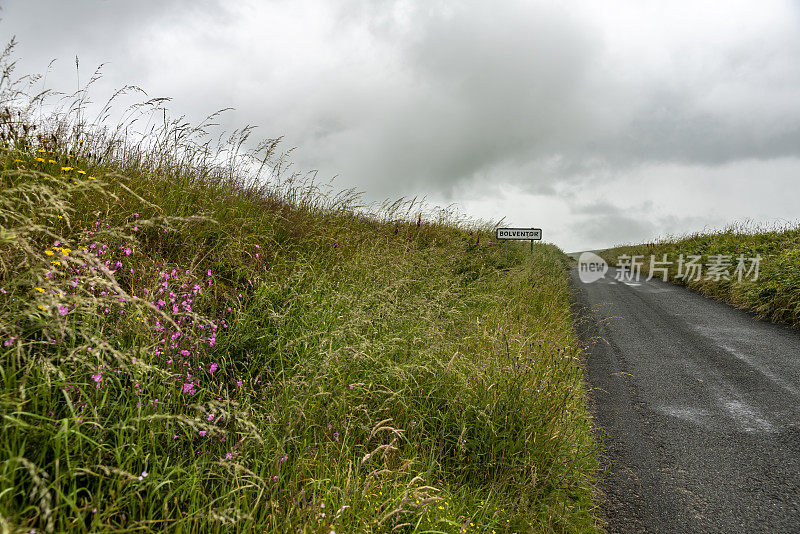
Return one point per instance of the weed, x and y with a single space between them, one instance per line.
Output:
773 294
193 341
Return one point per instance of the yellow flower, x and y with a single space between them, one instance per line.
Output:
51 161
74 182
41 150
56 262
66 251
60 217
39 289
92 178
80 141
49 252
81 172
17 160
40 307
39 159
66 168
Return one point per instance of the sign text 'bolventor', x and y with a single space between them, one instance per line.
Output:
519 233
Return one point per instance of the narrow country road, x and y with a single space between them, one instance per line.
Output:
698 407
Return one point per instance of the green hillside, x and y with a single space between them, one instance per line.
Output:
186 351
756 269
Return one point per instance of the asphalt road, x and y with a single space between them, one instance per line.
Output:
698 407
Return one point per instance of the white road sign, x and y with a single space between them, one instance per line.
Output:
519 233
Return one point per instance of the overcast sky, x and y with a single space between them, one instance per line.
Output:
599 122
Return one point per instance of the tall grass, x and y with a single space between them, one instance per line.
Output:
194 340
773 294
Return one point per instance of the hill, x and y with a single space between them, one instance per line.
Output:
188 349
754 268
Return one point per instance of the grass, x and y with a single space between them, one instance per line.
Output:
195 341
774 293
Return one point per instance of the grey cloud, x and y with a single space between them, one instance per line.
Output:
623 228
672 128
605 223
595 221
111 34
442 94
476 89
597 208
529 87
448 97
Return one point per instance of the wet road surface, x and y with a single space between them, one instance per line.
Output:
698 406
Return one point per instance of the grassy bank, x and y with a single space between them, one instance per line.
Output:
186 350
772 292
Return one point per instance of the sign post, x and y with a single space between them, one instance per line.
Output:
531 234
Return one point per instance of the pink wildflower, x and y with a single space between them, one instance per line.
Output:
213 368
203 433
